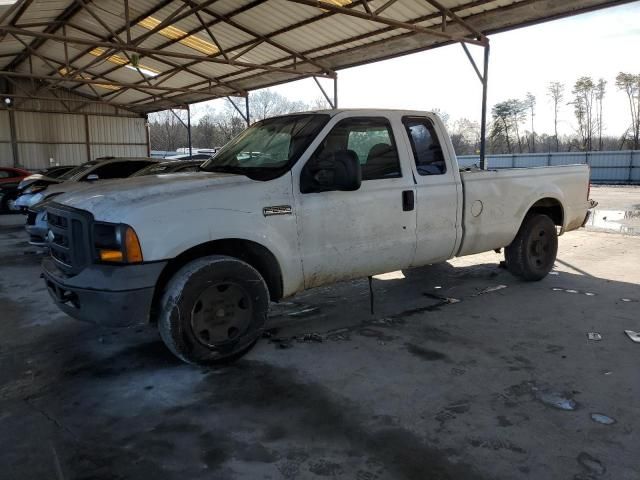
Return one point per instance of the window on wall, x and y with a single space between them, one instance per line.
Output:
371 140
427 152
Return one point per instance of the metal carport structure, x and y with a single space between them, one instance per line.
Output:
131 57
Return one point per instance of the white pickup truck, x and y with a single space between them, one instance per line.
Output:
292 203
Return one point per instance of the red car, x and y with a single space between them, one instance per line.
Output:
12 175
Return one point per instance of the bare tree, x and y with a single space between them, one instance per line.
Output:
630 84
267 103
584 93
442 115
600 91
530 102
167 131
465 136
555 90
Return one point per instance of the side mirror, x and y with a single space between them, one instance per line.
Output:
92 177
339 171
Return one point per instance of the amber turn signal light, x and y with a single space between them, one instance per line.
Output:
132 246
111 255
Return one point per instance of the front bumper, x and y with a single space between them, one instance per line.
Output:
37 228
107 295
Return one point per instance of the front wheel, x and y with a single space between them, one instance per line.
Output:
213 310
533 252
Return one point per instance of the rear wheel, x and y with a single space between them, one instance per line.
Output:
213 310
533 252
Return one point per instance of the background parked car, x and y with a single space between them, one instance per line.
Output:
9 180
36 224
12 175
99 169
45 175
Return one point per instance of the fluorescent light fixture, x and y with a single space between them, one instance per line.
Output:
174 33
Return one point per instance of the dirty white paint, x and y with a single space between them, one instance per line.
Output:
333 236
508 194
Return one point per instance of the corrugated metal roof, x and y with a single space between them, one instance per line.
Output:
188 50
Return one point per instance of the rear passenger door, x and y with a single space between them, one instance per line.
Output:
437 193
354 234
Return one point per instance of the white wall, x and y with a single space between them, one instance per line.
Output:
45 136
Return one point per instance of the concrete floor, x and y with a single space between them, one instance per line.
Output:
500 385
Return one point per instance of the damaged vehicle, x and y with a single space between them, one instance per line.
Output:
294 202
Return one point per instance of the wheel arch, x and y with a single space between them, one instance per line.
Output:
550 206
253 253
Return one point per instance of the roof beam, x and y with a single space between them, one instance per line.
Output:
60 20
446 11
350 12
257 35
150 51
209 24
91 81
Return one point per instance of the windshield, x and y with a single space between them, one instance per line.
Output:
76 172
268 148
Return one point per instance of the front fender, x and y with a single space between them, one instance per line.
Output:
277 233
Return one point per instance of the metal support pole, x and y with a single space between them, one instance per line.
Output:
326 97
14 140
335 91
246 106
483 120
189 130
147 127
87 136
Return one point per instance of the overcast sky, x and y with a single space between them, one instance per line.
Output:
599 44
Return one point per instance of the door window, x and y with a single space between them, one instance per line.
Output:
425 145
371 140
4 174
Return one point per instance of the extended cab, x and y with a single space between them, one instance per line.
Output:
292 203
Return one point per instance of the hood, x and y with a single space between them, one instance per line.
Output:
111 195
36 178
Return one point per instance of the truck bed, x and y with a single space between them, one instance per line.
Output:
496 201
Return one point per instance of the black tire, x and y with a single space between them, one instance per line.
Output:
213 310
533 252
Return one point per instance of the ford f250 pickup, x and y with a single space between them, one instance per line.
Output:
292 203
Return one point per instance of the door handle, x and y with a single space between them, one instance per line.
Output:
408 201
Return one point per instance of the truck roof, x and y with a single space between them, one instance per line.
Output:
367 111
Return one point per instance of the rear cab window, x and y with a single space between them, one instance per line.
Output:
427 151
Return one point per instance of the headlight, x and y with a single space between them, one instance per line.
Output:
37 198
35 188
116 243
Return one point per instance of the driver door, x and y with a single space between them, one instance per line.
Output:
372 230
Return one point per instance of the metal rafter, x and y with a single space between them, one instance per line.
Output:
323 5
150 51
170 73
446 12
176 68
386 29
60 20
226 19
173 17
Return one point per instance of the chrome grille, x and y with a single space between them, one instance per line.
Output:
70 242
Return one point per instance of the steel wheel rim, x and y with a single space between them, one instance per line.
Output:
221 313
540 248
